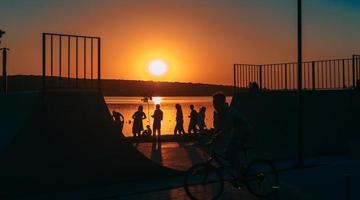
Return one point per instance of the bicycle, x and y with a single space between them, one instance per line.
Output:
259 176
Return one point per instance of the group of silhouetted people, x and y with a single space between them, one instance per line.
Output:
231 129
139 116
196 125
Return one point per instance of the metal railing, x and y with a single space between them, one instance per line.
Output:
316 75
71 61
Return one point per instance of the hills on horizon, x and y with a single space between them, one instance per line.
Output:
120 87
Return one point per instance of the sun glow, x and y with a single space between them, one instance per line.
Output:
157 67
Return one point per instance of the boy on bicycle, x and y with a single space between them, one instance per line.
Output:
231 130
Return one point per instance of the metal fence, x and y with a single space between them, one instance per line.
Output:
316 75
71 61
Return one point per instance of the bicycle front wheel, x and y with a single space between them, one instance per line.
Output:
203 181
262 178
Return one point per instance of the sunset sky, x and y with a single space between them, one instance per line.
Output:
199 40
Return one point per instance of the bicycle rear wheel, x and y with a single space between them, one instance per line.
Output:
262 178
203 181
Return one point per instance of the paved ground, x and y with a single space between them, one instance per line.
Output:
330 177
324 178
180 156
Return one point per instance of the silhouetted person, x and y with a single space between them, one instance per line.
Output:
231 129
118 120
158 117
201 119
147 132
254 87
179 127
193 120
138 117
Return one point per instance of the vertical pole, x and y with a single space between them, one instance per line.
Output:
313 75
343 66
270 77
43 61
286 76
353 71
332 76
260 77
91 62
84 61
278 77
299 103
76 61
4 74
99 63
322 75
51 56
234 71
338 73
267 77
69 83
326 74
60 59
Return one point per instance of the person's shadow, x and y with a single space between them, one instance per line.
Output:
156 152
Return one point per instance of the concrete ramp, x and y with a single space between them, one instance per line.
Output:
61 140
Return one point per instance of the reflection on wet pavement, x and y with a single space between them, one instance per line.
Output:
182 156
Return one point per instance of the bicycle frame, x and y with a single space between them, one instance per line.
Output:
223 163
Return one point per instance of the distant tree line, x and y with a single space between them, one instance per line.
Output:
112 87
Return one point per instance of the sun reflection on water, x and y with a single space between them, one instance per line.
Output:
156 100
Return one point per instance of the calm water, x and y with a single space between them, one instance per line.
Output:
128 105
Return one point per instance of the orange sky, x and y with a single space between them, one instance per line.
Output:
199 40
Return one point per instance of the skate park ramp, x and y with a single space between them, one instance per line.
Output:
64 140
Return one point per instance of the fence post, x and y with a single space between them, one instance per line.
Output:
285 76
343 72
60 60
99 63
260 77
4 74
353 70
76 62
313 74
234 71
43 61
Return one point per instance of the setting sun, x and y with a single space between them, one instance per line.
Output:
157 67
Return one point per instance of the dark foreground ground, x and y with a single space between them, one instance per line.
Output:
323 178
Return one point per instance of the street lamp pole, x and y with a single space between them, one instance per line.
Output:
300 163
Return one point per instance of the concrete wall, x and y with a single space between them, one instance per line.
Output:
330 121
